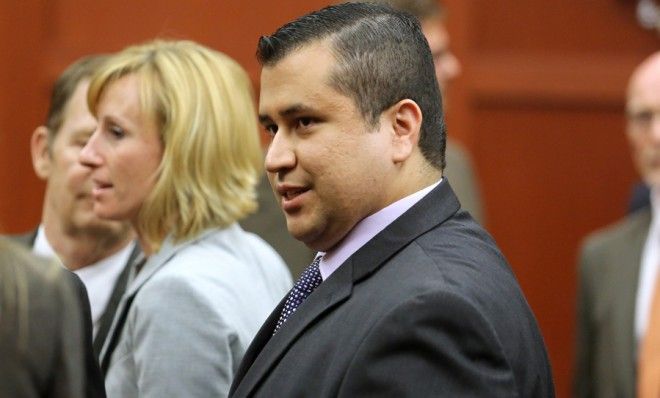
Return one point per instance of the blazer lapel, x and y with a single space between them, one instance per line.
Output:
135 282
266 350
115 297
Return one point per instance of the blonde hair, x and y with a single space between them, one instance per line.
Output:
201 101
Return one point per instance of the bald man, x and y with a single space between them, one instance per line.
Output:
619 268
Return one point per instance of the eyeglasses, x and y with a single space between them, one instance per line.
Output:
644 118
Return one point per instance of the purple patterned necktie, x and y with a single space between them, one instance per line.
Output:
305 285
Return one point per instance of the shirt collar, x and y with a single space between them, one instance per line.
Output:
366 229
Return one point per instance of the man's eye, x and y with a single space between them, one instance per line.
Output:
643 117
271 129
305 121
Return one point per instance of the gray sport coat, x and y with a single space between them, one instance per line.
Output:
608 277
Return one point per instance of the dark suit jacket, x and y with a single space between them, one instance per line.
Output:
608 277
428 307
640 197
56 359
115 297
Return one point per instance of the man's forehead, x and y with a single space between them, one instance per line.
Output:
646 75
315 55
298 80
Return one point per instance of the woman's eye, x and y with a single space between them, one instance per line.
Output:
116 131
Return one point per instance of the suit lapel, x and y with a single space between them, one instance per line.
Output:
627 282
266 351
434 209
260 340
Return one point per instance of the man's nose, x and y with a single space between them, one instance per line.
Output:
281 154
89 155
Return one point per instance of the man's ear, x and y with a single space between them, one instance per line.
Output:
406 118
41 159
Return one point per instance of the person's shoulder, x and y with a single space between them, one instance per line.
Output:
46 281
25 239
219 256
41 270
225 247
460 239
621 231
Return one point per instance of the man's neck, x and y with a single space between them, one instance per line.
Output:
83 249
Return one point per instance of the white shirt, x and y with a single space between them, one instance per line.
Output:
99 278
648 271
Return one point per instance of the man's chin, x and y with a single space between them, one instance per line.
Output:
652 179
302 233
93 225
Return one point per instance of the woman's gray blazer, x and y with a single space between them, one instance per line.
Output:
189 314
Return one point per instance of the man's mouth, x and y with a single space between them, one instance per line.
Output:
292 193
292 196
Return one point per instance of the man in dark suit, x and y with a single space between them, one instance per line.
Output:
408 296
619 270
98 251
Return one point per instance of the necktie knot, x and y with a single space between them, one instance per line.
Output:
309 280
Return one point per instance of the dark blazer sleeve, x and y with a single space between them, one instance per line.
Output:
94 385
437 345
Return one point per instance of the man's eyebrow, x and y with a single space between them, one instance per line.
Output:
295 109
289 112
82 133
265 119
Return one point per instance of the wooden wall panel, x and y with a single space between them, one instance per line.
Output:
540 105
21 33
548 182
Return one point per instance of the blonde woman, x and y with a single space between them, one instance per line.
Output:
176 152
45 329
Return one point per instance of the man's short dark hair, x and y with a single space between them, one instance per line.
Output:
63 90
382 58
422 9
